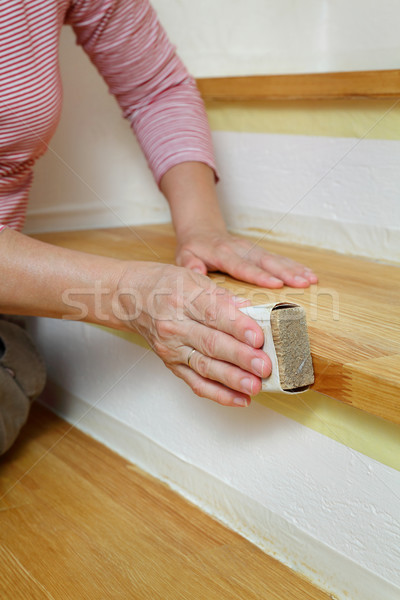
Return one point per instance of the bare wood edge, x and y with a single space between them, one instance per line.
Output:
368 392
314 86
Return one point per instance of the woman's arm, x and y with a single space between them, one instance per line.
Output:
39 279
160 99
175 309
204 243
157 95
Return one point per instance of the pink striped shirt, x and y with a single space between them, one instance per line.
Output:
125 41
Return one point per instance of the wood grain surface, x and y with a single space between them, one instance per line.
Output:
80 523
353 313
314 86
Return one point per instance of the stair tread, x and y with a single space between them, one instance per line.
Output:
79 521
353 312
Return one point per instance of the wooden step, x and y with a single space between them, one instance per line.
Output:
309 86
78 521
353 313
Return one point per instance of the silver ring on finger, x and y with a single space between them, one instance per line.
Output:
193 350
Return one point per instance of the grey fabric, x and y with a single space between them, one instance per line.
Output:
22 379
23 359
14 410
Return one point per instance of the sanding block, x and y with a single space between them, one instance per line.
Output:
287 345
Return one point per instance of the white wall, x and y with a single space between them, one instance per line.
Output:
335 193
253 37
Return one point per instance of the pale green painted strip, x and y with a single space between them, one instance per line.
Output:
369 435
374 119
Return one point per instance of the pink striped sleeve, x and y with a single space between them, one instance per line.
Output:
125 41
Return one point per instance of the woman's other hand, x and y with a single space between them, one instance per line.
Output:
205 245
242 259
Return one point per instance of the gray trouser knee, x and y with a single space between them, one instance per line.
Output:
14 409
22 379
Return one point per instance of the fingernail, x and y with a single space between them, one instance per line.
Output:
300 279
258 366
196 270
240 402
250 337
275 280
246 385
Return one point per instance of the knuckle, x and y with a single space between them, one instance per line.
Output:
203 365
166 329
241 266
270 260
210 343
211 312
242 357
242 245
221 398
198 388
286 273
186 248
161 350
223 246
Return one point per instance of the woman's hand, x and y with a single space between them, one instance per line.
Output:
204 243
177 310
219 251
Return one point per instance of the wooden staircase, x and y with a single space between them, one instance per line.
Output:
78 521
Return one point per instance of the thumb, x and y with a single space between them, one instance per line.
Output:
187 259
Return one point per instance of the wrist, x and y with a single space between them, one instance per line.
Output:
191 193
92 294
134 290
208 228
